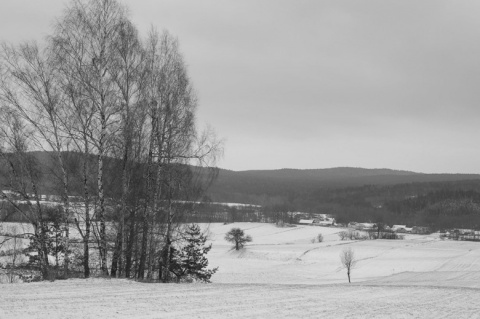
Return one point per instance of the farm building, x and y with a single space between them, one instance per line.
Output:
306 221
365 226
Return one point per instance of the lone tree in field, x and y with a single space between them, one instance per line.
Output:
237 236
347 257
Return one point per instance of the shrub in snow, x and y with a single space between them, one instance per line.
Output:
385 234
352 235
319 238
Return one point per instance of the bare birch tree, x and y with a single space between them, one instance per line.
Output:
85 40
30 87
128 74
22 178
173 140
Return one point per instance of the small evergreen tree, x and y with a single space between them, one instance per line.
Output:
52 237
191 258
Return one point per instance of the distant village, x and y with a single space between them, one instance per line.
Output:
329 220
253 213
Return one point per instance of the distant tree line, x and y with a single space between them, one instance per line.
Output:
438 209
447 206
282 191
437 205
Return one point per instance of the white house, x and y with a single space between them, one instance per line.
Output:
400 228
306 221
364 226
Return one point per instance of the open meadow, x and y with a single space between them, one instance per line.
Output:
281 274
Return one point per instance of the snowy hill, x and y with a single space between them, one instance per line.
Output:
287 256
281 274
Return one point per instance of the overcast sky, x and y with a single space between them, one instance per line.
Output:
318 84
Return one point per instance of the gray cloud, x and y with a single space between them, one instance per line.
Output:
311 84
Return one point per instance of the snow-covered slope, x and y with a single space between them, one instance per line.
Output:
103 298
281 274
286 255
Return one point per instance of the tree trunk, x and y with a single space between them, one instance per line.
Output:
155 187
145 222
101 216
119 252
129 248
151 250
66 202
86 198
135 252
42 251
86 251
168 241
149 195
116 253
143 249
121 259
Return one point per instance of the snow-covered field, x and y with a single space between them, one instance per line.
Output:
281 274
287 256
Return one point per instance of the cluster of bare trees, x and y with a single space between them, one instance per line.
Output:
99 90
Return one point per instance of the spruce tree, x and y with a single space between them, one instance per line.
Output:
192 256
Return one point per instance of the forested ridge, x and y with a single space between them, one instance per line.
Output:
393 197
356 194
